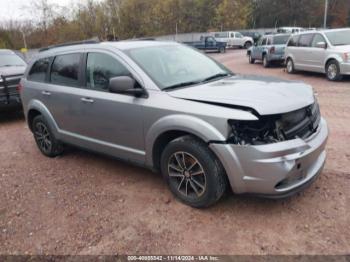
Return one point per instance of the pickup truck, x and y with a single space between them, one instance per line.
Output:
12 68
208 43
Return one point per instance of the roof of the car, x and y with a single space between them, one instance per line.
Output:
121 45
324 30
6 52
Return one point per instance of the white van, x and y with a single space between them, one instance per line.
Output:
234 39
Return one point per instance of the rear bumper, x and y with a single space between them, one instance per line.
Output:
11 102
276 57
345 68
274 170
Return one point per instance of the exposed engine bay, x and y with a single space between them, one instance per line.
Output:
276 128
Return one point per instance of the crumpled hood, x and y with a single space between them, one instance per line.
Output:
12 70
266 95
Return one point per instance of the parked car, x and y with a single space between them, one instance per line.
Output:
290 30
208 43
12 68
255 35
270 48
168 107
326 51
234 39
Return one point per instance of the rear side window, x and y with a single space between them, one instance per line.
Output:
100 68
293 41
305 40
39 70
65 70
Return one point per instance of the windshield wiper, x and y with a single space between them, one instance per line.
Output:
5 65
219 75
183 84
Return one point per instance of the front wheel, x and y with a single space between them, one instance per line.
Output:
193 172
333 71
44 138
222 50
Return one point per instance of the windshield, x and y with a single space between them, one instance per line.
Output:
11 60
176 65
339 37
280 39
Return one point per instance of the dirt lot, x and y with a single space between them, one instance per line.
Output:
83 203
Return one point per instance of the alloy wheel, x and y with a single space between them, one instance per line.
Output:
332 71
187 174
42 136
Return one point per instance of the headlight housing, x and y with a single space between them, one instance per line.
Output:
300 123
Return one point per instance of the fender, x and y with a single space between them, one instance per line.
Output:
336 57
186 123
39 106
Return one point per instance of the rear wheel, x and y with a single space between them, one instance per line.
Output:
266 62
290 66
333 71
250 59
44 138
193 172
247 45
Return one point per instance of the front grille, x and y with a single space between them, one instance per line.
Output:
301 123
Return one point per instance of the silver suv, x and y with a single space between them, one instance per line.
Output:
168 107
326 51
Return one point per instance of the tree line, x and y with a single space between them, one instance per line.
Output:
143 18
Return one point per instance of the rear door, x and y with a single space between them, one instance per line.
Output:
302 55
317 55
108 121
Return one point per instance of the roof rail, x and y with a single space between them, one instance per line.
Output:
90 41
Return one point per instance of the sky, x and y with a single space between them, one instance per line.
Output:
15 9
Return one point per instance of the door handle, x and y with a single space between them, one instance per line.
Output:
46 93
87 100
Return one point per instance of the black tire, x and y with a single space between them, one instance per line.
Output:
247 45
250 59
44 138
222 50
266 62
333 71
179 157
290 66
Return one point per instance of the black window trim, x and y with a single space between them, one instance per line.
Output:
120 60
47 73
79 84
312 37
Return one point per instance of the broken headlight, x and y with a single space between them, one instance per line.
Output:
259 132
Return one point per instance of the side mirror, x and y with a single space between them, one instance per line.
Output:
321 45
125 85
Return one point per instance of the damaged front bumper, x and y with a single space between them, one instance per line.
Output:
274 170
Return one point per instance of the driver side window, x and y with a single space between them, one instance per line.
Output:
100 68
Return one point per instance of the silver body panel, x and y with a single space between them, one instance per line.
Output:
127 127
315 59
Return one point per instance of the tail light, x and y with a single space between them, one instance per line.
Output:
19 88
272 50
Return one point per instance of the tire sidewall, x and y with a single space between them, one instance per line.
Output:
56 147
208 164
290 61
265 62
338 75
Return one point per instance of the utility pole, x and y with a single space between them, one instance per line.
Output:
325 14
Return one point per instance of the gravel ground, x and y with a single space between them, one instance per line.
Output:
83 203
